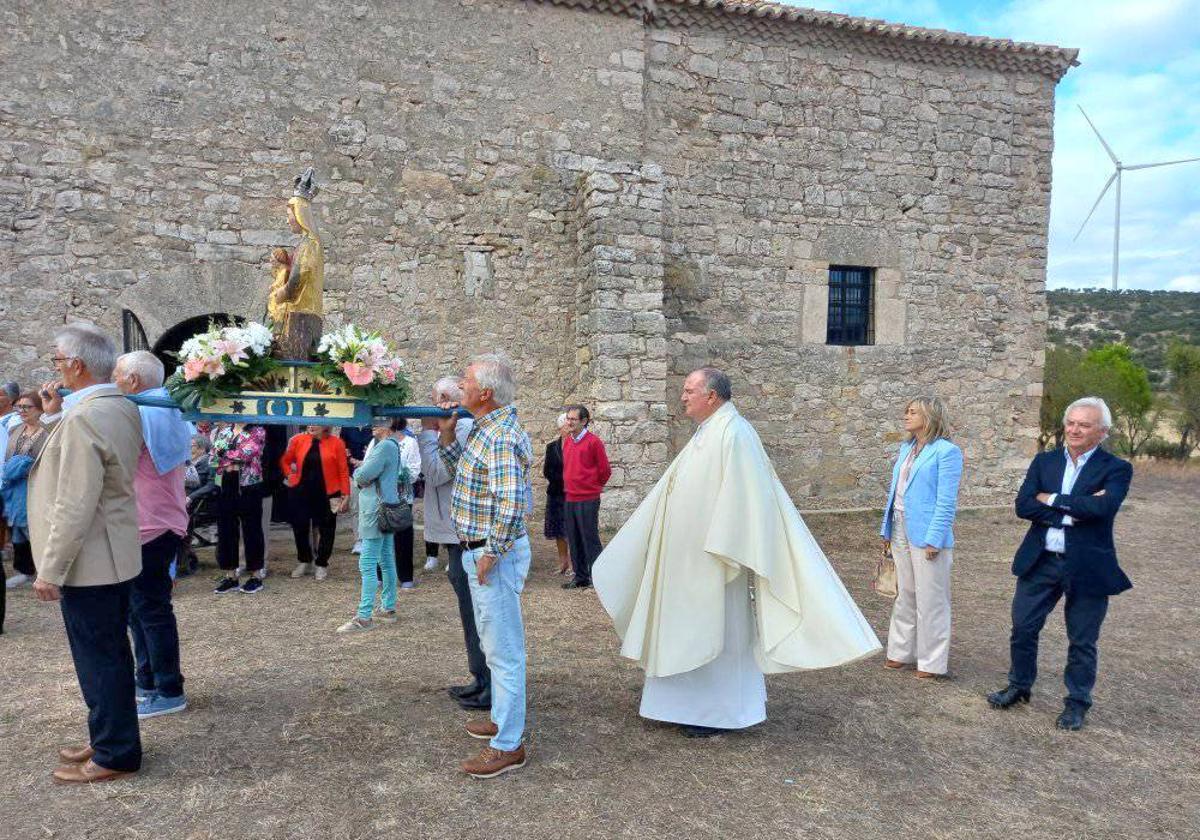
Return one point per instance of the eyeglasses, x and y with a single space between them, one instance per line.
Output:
58 360
24 407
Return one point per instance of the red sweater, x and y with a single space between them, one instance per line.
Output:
585 468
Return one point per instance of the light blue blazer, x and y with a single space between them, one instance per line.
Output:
932 496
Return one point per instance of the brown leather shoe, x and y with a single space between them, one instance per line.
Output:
483 729
492 762
76 755
85 774
894 664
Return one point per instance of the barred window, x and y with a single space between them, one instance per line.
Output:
851 307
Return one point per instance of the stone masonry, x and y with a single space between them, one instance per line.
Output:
613 191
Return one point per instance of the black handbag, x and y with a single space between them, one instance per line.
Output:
394 516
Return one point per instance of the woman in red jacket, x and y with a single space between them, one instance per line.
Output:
318 480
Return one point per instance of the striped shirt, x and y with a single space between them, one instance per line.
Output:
491 476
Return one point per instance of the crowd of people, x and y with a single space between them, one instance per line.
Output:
712 582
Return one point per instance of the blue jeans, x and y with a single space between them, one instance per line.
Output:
377 553
1037 593
152 619
497 609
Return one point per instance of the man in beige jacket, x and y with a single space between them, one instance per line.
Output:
84 529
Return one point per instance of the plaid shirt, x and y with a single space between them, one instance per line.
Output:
491 475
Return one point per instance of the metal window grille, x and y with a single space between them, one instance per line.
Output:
851 310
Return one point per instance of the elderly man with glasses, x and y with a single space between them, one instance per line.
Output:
84 528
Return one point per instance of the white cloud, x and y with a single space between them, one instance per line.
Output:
1185 283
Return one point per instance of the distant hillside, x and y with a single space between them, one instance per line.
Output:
1146 321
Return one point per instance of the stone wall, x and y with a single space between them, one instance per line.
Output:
615 198
784 158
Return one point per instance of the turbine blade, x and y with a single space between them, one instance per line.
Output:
1164 163
1107 184
1103 142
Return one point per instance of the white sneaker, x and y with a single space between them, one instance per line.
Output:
356 625
322 572
17 580
302 569
430 564
357 547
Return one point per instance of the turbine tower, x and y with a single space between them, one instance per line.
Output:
1116 176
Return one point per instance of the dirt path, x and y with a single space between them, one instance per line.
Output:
297 732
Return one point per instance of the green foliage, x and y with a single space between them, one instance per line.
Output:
1148 322
1108 372
1160 450
1183 361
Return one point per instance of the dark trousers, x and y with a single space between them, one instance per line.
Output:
404 555
431 549
96 618
239 515
583 537
1037 593
23 558
152 620
476 662
307 512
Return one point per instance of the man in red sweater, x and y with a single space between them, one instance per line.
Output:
585 472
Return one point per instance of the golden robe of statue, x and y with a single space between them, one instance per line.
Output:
294 303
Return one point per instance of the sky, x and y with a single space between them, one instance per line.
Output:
1139 81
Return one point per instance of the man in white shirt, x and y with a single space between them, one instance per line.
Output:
1070 496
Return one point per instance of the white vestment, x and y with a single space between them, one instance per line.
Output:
719 512
727 693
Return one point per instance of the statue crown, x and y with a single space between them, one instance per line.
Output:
305 186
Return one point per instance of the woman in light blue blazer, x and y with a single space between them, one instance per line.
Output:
377 478
918 526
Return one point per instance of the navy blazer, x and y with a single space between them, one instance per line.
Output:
1091 556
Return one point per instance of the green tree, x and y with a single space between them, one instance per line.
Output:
1183 361
1064 380
1108 372
1125 386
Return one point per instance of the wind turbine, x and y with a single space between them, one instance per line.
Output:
1116 176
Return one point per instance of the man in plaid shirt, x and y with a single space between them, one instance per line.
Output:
488 505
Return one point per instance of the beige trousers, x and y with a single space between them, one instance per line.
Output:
920 628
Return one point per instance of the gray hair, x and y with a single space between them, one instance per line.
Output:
447 387
494 372
11 390
561 421
1092 402
91 346
202 441
718 382
145 366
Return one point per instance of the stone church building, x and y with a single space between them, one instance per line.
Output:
841 213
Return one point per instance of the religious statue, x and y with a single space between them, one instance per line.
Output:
294 302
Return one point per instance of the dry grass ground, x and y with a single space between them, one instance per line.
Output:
296 732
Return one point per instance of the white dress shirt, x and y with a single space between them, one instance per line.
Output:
1056 538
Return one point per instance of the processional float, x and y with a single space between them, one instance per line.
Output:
286 371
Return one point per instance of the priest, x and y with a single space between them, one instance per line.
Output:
716 580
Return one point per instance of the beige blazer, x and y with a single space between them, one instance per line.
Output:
82 511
